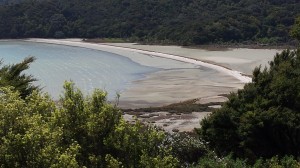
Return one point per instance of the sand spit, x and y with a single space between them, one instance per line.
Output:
240 59
238 75
177 81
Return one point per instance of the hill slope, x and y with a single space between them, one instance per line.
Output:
163 21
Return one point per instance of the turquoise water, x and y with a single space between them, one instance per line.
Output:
88 68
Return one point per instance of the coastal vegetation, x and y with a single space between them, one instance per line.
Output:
181 107
78 131
13 75
150 21
261 120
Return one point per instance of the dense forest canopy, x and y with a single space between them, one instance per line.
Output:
154 21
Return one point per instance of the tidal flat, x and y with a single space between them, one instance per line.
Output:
144 75
177 81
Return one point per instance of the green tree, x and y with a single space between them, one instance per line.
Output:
104 136
295 32
212 161
28 138
77 131
13 75
263 119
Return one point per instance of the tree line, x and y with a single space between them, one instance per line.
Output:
187 22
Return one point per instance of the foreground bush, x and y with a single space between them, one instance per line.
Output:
77 132
188 149
263 119
13 75
212 161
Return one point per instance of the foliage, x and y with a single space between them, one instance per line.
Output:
75 133
212 161
274 162
152 21
13 75
263 119
295 32
28 138
188 149
181 107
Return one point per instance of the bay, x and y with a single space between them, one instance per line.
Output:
88 68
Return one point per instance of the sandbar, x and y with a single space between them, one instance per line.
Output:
187 78
240 59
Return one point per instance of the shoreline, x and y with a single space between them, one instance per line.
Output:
175 82
184 79
236 74
240 59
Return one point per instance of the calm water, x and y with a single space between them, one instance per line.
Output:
88 68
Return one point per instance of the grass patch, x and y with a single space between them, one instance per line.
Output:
182 107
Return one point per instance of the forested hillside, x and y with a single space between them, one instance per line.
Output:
158 21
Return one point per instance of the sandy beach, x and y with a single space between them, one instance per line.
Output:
186 78
192 74
240 59
182 80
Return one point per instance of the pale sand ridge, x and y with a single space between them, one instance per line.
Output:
240 59
235 74
175 82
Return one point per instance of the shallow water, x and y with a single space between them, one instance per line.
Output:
88 68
